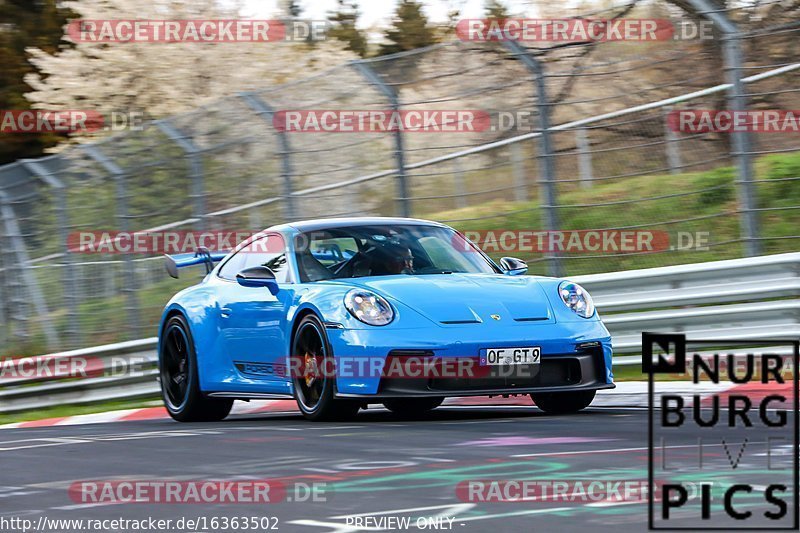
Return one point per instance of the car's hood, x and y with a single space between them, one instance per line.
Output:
465 298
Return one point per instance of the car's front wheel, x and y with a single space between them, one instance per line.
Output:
313 375
407 407
562 403
180 385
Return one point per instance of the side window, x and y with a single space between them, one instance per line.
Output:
268 251
232 267
332 251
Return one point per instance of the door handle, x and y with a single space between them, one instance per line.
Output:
225 312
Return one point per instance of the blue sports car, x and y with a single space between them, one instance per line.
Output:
343 313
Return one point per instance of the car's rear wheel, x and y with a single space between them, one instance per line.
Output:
312 374
562 403
407 407
180 385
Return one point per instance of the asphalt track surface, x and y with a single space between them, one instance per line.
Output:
377 466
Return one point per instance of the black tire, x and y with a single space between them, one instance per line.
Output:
409 407
315 393
563 403
180 385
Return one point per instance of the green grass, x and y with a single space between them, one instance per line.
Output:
74 410
711 207
104 320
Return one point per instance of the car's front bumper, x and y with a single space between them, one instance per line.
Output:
575 356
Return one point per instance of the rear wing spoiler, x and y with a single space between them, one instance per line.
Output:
203 256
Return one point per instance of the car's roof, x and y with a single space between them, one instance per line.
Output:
330 223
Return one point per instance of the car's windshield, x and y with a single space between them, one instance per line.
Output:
382 250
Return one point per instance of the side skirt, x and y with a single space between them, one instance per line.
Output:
250 396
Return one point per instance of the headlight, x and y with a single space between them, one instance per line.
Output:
577 299
368 307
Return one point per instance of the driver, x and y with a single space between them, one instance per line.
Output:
400 260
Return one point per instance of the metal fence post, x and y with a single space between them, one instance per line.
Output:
518 169
737 101
14 315
584 158
266 112
404 199
547 179
458 184
118 175
195 156
671 141
4 299
28 286
673 149
70 286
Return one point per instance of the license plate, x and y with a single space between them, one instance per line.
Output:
511 356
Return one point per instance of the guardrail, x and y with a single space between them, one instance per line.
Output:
726 300
122 371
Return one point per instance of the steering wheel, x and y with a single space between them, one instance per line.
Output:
339 269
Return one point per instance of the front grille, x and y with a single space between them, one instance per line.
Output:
561 371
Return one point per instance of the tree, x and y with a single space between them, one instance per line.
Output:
161 79
454 9
410 29
291 8
25 23
344 28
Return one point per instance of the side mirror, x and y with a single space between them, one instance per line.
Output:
513 267
258 277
